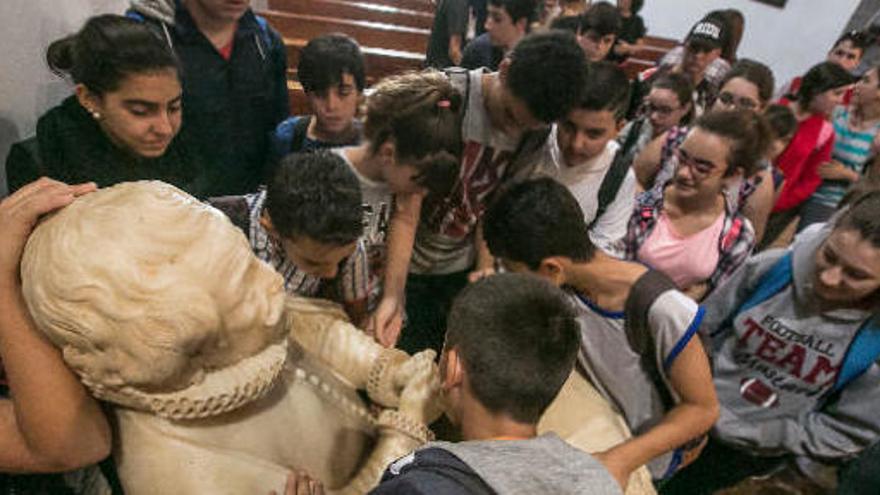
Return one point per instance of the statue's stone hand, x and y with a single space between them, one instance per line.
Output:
419 382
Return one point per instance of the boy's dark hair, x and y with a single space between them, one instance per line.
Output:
747 131
518 339
602 18
518 9
535 220
860 40
754 72
108 49
781 120
607 88
571 23
315 195
324 60
419 111
820 78
547 73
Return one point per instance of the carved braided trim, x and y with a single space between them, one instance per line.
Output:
380 382
221 391
403 423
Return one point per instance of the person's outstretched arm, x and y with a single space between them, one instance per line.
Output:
51 423
691 378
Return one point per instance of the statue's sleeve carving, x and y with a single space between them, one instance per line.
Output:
391 377
323 329
401 431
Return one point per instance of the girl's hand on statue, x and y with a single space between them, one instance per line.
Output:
300 483
20 212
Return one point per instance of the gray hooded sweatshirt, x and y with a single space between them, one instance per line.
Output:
540 465
776 364
544 464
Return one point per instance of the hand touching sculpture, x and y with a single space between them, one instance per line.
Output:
160 307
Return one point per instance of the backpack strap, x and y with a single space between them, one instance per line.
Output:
863 351
236 208
642 296
460 79
772 282
299 134
617 172
264 40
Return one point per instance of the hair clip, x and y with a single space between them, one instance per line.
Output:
444 103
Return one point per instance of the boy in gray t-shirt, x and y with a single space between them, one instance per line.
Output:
510 345
665 395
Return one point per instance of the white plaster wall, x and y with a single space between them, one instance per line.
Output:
789 40
27 87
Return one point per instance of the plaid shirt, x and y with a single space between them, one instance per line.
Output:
704 93
737 237
349 288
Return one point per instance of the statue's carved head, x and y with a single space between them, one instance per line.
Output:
155 298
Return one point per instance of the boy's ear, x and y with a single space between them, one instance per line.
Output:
266 223
453 370
621 123
553 269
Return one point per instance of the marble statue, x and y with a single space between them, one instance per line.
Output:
220 382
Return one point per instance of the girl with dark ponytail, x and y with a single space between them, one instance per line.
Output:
123 121
821 90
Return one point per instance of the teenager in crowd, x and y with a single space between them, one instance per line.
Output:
307 224
749 86
795 350
734 23
508 21
331 71
847 52
632 30
668 104
856 140
702 48
412 146
124 119
447 34
667 399
511 344
598 30
688 226
580 152
48 421
505 123
820 92
234 81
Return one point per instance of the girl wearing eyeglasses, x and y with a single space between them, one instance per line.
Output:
686 226
668 104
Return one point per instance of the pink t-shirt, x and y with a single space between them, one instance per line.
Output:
686 260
